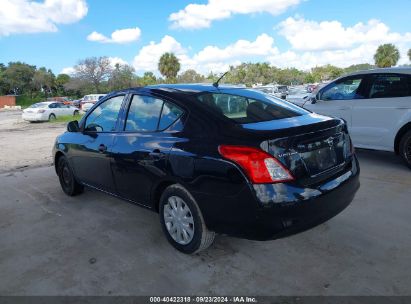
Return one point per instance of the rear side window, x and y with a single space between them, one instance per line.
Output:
104 117
169 115
246 109
144 113
149 114
390 86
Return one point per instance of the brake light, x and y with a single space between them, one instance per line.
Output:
41 111
260 167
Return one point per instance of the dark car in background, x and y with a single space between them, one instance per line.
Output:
212 160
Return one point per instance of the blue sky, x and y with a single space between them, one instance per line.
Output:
207 35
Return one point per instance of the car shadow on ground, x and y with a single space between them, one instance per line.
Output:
381 158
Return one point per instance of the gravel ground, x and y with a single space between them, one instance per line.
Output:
24 144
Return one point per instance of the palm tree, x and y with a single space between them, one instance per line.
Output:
169 66
409 54
387 55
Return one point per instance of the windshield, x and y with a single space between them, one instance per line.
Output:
250 107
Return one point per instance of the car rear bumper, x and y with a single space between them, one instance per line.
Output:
278 210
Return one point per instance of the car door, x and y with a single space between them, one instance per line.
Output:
377 118
66 109
91 155
52 109
59 109
140 151
336 99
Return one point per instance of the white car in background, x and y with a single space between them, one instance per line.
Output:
46 111
89 100
297 95
376 104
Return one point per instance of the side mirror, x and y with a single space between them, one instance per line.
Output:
73 126
313 100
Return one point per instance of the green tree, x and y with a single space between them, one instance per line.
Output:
190 76
61 80
169 66
94 71
3 85
358 67
18 77
387 55
43 81
148 79
326 72
122 77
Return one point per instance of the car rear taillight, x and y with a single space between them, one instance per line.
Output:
41 111
260 167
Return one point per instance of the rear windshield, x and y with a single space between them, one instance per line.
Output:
39 105
250 106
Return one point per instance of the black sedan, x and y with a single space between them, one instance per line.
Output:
212 160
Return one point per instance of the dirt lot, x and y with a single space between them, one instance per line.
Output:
24 144
94 244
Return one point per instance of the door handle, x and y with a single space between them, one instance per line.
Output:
102 148
156 153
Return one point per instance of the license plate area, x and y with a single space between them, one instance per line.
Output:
322 154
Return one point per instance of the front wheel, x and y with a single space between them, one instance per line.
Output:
66 177
52 117
76 113
182 221
405 148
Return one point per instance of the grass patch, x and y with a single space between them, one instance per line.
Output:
67 118
25 101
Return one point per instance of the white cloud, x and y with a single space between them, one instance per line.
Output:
149 55
68 71
306 35
195 16
119 36
329 42
115 60
210 58
25 16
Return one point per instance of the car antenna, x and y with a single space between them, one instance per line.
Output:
215 84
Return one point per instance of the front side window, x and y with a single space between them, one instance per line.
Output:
247 108
390 86
346 89
104 117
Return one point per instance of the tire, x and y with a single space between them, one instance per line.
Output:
76 113
405 148
67 179
52 117
201 237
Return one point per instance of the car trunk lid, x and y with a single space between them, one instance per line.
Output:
314 149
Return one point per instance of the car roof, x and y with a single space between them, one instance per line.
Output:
193 88
395 70
47 102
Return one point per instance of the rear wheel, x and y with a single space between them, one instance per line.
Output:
66 177
405 148
76 113
182 221
52 117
